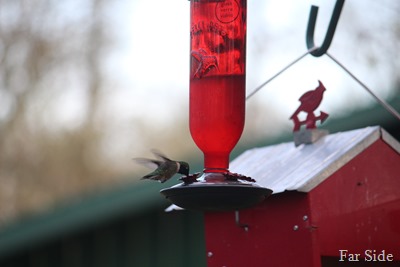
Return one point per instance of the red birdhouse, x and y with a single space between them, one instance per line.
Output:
336 202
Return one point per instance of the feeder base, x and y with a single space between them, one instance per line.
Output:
218 195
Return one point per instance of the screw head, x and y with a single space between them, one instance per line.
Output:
295 228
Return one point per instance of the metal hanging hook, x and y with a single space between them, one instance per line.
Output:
329 33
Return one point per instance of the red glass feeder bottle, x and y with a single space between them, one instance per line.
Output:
217 107
217 78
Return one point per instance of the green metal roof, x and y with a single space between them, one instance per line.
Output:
127 199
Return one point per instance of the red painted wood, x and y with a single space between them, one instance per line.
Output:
271 239
358 207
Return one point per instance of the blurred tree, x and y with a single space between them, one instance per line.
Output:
50 50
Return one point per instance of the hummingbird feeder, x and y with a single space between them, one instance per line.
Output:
217 107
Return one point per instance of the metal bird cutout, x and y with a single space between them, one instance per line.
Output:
309 102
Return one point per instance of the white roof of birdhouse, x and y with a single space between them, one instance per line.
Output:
286 167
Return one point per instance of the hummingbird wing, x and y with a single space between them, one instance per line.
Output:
160 155
164 172
149 163
165 168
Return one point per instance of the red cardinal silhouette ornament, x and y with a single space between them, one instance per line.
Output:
309 102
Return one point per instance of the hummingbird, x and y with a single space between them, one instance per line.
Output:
165 167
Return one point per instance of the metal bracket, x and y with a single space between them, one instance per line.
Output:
238 223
